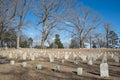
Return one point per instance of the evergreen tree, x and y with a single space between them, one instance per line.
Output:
74 43
24 44
112 38
58 42
94 44
30 41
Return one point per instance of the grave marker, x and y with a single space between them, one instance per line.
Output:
39 67
24 64
104 70
57 68
12 62
79 71
51 57
24 56
90 62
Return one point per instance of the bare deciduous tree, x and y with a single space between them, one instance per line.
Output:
100 40
82 22
12 15
7 15
48 12
21 13
107 30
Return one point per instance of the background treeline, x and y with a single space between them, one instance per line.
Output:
71 16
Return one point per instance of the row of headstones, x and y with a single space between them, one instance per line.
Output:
39 67
56 55
24 56
104 71
66 56
19 53
103 68
90 58
75 58
115 57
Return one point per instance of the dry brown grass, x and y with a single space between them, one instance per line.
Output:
16 72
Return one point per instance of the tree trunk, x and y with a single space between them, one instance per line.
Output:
107 39
18 38
42 42
81 43
43 34
90 41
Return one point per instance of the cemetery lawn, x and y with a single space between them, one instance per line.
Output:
68 69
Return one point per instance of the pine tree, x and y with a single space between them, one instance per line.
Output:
58 42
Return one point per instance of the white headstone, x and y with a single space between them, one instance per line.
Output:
32 57
17 55
63 61
57 68
39 66
24 64
66 56
51 57
90 62
75 59
24 56
104 70
79 71
83 57
12 62
116 58
112 55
